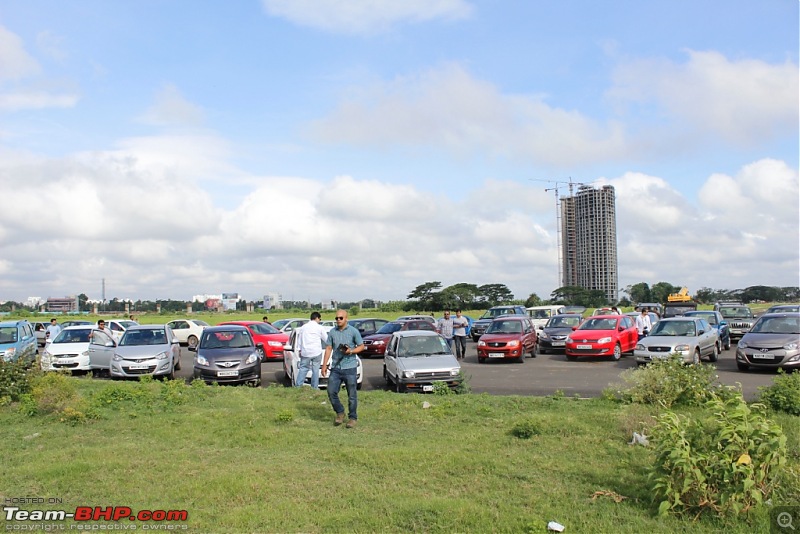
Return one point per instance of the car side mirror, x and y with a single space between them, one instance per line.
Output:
287 346
574 327
621 328
701 332
723 323
390 352
110 344
175 340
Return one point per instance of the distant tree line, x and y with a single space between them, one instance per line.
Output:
431 297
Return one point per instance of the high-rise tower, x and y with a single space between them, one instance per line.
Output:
589 240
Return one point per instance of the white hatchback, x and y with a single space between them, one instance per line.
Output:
291 360
78 348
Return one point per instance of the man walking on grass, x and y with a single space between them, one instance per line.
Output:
344 342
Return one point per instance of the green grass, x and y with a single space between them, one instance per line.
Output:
270 460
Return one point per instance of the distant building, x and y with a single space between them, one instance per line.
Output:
273 301
589 241
62 305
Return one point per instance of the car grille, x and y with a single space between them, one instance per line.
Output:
744 325
659 349
496 344
436 375
65 365
558 337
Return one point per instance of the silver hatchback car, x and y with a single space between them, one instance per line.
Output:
415 359
146 350
773 342
691 337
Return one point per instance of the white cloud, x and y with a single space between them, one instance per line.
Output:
447 107
15 62
34 99
171 108
746 101
364 16
52 45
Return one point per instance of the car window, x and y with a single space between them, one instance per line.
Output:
179 325
226 339
389 328
599 324
777 325
99 338
263 328
420 346
505 327
8 334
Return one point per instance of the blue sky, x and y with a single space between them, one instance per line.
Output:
334 149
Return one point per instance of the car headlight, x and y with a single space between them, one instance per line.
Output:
481 343
10 352
274 343
454 372
408 374
568 340
543 335
201 360
85 353
681 348
253 358
379 343
514 343
790 346
162 356
639 346
604 340
117 358
742 344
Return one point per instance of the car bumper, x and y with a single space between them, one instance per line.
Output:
786 359
244 374
595 349
644 356
128 369
273 353
552 344
499 353
73 363
373 351
426 386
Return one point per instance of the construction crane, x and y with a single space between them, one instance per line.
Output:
558 185
681 296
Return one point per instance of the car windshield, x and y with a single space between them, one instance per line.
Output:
492 313
564 322
505 327
784 308
199 323
389 328
777 325
80 335
599 324
8 334
127 324
421 346
710 317
225 339
264 328
736 311
154 336
280 323
675 328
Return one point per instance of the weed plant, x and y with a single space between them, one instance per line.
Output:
784 394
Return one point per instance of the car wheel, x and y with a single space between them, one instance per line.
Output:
617 352
170 375
475 339
696 357
521 358
262 354
571 358
481 360
358 386
178 364
398 387
715 354
386 377
535 350
192 341
728 344
288 379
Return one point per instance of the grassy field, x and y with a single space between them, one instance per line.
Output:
270 460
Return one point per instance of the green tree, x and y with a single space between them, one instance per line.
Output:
424 293
459 296
639 292
533 300
660 291
495 294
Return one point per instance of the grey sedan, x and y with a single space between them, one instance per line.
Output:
690 337
415 359
146 350
773 342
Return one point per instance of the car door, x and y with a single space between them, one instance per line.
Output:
180 329
29 343
528 336
390 358
707 338
101 350
629 335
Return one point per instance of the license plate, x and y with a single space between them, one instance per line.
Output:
227 373
496 355
558 343
584 347
63 361
137 367
762 356
427 388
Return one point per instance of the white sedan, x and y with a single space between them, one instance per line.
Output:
291 359
188 331
78 348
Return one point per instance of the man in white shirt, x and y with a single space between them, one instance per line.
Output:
310 339
53 330
643 323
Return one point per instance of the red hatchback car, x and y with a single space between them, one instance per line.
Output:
602 336
272 338
375 344
508 337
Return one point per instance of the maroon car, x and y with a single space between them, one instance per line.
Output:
375 344
508 337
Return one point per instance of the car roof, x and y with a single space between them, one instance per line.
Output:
225 328
679 318
147 327
414 333
13 323
512 318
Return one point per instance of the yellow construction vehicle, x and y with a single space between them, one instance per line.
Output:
681 296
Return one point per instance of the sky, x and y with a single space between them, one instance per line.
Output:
352 149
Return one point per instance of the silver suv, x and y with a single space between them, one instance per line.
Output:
740 318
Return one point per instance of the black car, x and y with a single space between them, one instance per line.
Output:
227 354
553 335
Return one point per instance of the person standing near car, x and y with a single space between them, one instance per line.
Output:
311 337
460 324
344 342
445 327
52 330
643 323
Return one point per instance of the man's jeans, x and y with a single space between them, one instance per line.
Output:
335 379
461 346
302 371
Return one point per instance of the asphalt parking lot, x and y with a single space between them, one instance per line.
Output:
543 375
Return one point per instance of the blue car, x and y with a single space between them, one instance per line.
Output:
716 320
18 341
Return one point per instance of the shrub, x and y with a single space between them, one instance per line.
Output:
15 380
53 393
670 382
784 393
726 463
440 387
464 386
526 429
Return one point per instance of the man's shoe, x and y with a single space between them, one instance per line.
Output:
351 423
339 419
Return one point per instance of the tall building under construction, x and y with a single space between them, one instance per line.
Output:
589 240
